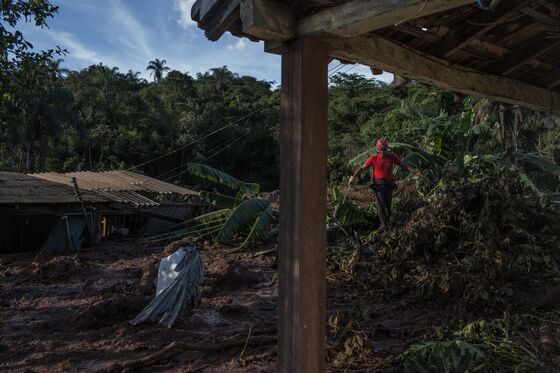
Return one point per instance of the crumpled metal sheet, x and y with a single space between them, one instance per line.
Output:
66 235
181 294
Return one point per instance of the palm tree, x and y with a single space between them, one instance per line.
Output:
157 68
132 75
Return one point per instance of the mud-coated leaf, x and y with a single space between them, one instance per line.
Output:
259 231
242 217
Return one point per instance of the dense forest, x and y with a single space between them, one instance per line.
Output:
100 118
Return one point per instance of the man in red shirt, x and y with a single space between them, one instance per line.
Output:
383 180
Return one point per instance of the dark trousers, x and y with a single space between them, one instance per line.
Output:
384 195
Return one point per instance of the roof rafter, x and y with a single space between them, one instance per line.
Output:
268 20
390 56
453 43
522 58
475 47
362 16
543 18
215 16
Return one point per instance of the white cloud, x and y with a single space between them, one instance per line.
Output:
133 34
184 9
239 45
78 50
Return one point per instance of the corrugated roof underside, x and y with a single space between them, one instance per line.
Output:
16 188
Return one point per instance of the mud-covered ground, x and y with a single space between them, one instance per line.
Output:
69 313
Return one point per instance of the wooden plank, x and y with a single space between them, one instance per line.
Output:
358 17
226 15
303 177
476 46
215 17
389 56
453 43
542 18
533 50
268 20
201 9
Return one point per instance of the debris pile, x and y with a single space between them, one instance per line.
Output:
485 240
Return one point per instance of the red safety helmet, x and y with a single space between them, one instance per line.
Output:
382 144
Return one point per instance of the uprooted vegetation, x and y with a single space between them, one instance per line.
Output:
476 247
476 242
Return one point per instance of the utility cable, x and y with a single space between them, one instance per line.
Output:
332 68
179 166
351 68
196 141
214 154
334 71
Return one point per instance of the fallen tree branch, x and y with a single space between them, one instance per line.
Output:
174 348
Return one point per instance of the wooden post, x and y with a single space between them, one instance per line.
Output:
303 176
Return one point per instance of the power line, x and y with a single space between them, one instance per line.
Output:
332 68
196 141
227 146
334 71
214 154
351 67
179 166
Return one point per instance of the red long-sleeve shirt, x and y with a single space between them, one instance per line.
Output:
383 166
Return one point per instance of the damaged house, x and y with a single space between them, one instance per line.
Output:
140 205
40 214
60 211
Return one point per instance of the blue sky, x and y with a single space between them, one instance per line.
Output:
129 33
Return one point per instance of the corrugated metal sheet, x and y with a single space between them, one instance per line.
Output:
16 188
129 198
66 235
155 226
117 181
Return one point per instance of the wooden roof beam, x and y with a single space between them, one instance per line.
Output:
453 43
268 20
362 16
389 56
272 20
215 17
533 51
541 17
476 46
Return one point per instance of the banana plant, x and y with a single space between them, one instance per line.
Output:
242 219
223 179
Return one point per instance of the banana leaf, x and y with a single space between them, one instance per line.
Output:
260 230
241 217
538 161
221 178
455 356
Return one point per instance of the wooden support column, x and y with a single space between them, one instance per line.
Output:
303 176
